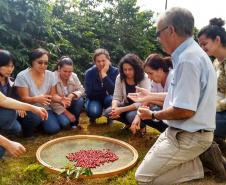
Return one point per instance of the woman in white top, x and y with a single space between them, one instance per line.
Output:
131 74
212 39
36 86
159 70
68 85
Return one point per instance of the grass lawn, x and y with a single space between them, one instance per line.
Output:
11 171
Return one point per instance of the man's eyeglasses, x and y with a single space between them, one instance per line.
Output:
41 63
158 32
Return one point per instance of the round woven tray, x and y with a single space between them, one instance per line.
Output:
52 155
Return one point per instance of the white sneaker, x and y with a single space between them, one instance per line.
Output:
74 127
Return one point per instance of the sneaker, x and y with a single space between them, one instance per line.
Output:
92 120
110 122
212 160
74 127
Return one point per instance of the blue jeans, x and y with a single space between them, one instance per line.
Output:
94 108
160 126
31 120
8 125
125 117
75 109
220 124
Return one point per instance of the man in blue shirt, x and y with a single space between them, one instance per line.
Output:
189 109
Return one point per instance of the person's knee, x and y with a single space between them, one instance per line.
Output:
130 116
108 101
94 110
107 111
16 128
141 179
81 101
64 123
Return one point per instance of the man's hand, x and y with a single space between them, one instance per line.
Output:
136 122
15 149
142 96
144 113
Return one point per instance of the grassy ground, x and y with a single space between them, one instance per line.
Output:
11 171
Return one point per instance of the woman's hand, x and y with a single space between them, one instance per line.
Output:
41 111
144 113
105 69
21 113
115 112
142 96
136 122
70 116
66 102
43 98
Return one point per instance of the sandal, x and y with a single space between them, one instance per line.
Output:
142 134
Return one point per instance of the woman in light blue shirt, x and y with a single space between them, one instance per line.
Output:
36 86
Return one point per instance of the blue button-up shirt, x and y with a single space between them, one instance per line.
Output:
194 87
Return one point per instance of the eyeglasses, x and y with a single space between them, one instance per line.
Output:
41 63
158 32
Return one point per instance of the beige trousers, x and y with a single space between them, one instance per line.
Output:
174 157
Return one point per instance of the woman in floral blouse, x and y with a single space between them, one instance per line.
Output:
212 39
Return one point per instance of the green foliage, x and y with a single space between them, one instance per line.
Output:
34 167
70 170
76 28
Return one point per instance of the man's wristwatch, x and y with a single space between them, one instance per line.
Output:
153 117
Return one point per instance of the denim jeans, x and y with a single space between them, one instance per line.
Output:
220 124
31 120
8 125
125 117
94 108
160 125
75 109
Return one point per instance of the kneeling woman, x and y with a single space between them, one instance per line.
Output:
68 85
36 85
7 64
131 75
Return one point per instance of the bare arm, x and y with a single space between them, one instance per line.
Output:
10 103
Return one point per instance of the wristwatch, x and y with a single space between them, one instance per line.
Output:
153 117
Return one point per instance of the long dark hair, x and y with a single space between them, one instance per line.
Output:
156 61
137 65
64 60
5 58
213 29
